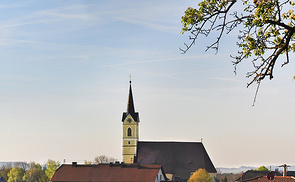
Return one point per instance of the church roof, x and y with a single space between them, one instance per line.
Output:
177 158
107 172
130 107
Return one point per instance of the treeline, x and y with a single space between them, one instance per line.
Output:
228 177
28 172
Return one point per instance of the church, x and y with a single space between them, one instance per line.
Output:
178 159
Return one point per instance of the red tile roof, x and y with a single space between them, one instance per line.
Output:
107 173
250 174
276 179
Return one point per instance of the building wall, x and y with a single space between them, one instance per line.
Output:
129 142
160 176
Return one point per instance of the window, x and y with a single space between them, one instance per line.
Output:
160 177
129 132
128 142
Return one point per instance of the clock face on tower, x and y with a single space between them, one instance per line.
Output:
129 120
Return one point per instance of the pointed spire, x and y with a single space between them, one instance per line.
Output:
130 104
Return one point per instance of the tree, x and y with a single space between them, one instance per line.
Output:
23 165
87 162
51 166
266 30
16 174
224 179
103 159
227 176
261 168
4 171
201 175
35 173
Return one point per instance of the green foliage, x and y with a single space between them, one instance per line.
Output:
201 175
35 173
87 162
16 174
266 30
29 172
51 166
261 168
4 171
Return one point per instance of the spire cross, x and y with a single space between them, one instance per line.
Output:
130 78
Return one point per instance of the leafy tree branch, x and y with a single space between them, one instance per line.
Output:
266 31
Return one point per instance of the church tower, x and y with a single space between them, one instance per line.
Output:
130 120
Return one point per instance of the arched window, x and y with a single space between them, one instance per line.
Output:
129 132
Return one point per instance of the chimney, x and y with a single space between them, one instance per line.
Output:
117 163
74 164
284 169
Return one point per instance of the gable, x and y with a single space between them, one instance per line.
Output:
177 158
134 115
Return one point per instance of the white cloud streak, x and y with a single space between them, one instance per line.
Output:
156 60
160 27
227 79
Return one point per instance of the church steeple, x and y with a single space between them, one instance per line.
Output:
130 121
130 104
130 107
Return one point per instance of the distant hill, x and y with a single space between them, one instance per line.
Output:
246 168
12 164
5 163
234 170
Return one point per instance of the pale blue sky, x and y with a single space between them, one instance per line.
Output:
64 73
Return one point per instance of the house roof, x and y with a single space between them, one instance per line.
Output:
276 179
177 158
291 173
130 107
253 174
107 173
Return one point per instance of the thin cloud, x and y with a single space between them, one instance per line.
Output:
156 60
48 16
160 27
152 74
29 23
174 75
227 79
61 17
14 5
23 78
64 16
